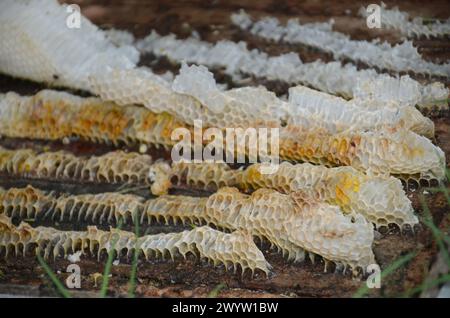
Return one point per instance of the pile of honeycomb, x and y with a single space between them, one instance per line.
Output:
348 157
293 223
331 77
388 150
114 167
233 250
402 57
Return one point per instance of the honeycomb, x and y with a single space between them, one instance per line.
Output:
241 107
32 203
393 18
332 77
294 223
338 115
352 190
114 167
31 33
381 200
384 152
325 209
401 57
233 250
56 115
26 203
388 150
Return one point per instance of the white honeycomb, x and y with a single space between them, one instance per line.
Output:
294 223
113 167
337 115
120 37
400 152
38 45
32 203
391 150
236 249
354 191
332 77
402 57
198 82
410 27
141 87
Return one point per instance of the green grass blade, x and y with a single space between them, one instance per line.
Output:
134 265
363 290
108 266
445 100
443 188
215 292
437 233
59 286
427 285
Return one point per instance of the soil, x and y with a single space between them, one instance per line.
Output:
194 278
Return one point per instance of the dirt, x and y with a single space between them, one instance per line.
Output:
194 278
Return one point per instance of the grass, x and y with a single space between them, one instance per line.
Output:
363 290
215 292
59 286
105 278
445 100
442 241
437 233
108 266
427 285
134 265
